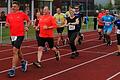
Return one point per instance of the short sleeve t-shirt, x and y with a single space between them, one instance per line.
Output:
49 21
100 15
72 27
60 19
108 20
16 22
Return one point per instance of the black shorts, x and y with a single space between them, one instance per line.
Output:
78 28
72 36
60 30
42 42
16 41
37 35
118 39
100 27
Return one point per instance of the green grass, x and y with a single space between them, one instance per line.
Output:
31 33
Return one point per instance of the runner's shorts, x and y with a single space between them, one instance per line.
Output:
17 41
118 39
60 30
100 27
107 29
42 42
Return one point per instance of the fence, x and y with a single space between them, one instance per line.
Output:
30 35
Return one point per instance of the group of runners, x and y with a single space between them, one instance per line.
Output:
44 25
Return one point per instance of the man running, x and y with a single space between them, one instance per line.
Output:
108 21
47 25
60 19
15 21
100 24
79 15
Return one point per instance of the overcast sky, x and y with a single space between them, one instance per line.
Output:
103 2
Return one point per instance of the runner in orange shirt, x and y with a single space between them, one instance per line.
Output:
47 25
100 24
15 21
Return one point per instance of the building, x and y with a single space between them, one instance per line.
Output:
28 6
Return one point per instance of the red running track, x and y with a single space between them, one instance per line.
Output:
96 62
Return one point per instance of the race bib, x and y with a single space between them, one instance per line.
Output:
118 31
107 23
13 38
71 27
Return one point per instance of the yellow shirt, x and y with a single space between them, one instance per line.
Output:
60 19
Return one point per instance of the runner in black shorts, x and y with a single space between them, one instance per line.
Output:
117 23
15 22
72 22
16 41
100 24
79 15
47 25
60 19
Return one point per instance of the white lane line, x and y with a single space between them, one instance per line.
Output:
113 76
78 50
34 44
60 46
79 65
54 57
99 52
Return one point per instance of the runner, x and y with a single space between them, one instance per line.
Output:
47 25
60 19
108 21
72 22
15 21
79 15
117 23
68 12
100 24
36 21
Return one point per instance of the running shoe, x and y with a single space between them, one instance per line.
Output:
76 54
118 54
64 42
100 37
73 55
57 46
45 49
37 64
11 73
24 64
109 43
82 37
57 55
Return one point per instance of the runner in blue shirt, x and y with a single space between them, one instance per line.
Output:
108 21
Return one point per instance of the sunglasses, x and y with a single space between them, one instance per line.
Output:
76 8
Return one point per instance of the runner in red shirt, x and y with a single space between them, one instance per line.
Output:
15 21
100 24
47 25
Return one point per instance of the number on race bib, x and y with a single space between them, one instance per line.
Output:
107 23
71 27
118 31
13 38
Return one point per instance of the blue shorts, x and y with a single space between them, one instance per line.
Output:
107 29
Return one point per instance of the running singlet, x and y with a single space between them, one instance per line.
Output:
71 26
60 19
80 16
100 15
49 21
107 20
117 23
16 22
